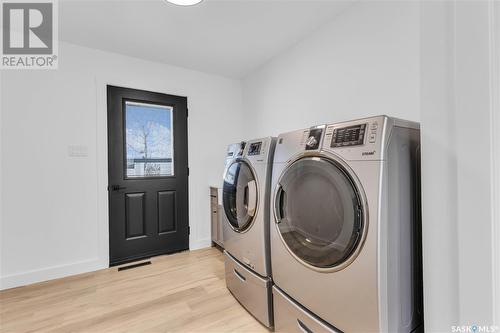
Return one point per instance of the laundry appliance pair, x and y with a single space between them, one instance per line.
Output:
323 231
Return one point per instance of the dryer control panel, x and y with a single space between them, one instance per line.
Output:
312 137
348 136
356 140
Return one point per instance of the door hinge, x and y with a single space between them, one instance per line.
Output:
189 230
188 171
187 112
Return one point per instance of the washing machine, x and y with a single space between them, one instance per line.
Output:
345 229
245 199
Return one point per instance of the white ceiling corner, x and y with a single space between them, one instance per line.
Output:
225 37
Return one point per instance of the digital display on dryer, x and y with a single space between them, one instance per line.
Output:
348 136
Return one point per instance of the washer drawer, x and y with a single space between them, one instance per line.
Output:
251 290
290 317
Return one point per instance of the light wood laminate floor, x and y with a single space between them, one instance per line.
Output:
184 292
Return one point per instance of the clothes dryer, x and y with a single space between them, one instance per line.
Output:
345 230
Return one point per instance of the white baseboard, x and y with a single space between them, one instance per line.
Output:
200 244
54 272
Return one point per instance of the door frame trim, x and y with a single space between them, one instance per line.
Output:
101 118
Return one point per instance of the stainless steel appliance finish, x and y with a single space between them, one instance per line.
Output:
290 317
246 204
245 201
250 289
345 229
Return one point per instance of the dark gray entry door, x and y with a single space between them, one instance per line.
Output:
147 174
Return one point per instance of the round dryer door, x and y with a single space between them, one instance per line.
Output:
319 212
239 196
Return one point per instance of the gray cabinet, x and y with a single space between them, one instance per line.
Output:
216 216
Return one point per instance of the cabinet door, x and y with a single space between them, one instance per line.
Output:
214 218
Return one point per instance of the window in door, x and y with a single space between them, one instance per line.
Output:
148 140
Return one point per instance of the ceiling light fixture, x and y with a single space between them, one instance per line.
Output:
184 2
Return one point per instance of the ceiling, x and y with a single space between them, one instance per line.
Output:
225 37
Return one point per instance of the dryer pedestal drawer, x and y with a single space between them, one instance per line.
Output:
251 290
290 317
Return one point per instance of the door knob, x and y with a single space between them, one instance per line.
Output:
116 188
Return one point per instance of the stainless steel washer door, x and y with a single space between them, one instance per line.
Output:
239 195
319 213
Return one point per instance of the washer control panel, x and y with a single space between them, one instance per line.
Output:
254 148
260 150
235 150
241 148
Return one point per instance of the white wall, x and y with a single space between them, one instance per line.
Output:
365 62
439 170
473 96
55 206
458 136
